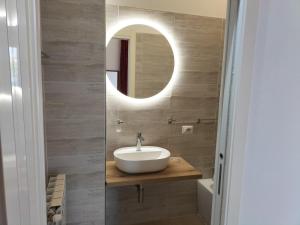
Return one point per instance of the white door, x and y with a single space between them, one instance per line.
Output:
225 113
22 149
2 194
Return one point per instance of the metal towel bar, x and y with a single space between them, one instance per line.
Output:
198 121
171 120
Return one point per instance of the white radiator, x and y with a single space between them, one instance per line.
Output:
56 200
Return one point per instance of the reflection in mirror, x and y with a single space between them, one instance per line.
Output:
139 61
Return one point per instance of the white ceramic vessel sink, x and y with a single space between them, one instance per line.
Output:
149 159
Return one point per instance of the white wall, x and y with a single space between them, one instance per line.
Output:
271 181
211 8
113 54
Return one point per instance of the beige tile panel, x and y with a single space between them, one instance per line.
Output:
70 129
190 142
194 90
198 22
67 147
71 30
91 181
148 92
203 43
205 106
200 64
139 116
156 197
77 73
112 102
89 214
65 107
76 164
81 10
73 35
74 87
196 37
196 77
79 53
192 219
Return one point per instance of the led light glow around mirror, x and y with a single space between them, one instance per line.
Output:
167 34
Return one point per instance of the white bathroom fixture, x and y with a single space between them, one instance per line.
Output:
148 159
205 197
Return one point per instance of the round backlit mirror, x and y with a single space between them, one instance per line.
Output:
139 61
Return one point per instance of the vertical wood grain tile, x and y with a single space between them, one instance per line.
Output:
73 35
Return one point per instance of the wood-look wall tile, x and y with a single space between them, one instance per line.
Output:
67 147
77 30
195 90
113 103
76 73
201 23
87 215
63 87
206 107
91 181
191 141
70 129
200 64
76 164
59 108
78 53
73 36
156 196
198 77
80 10
139 116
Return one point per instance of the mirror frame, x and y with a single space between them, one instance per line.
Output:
166 91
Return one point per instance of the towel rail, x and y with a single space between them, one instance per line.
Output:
198 121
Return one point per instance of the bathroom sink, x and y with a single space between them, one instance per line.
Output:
149 159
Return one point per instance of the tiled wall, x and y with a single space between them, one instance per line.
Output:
73 35
194 96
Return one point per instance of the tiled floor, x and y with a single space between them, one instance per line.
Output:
183 220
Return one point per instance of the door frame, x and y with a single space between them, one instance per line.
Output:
21 113
225 105
234 109
30 189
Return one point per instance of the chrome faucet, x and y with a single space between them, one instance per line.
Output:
139 139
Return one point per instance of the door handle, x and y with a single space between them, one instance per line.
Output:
220 174
219 179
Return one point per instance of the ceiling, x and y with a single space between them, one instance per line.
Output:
211 8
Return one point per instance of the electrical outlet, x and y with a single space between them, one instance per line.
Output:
187 129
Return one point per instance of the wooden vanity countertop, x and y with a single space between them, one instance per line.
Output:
178 169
